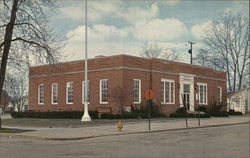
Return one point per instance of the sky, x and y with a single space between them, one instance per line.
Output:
124 26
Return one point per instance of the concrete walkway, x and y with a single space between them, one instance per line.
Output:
110 130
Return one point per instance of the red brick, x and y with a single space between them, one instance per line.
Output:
120 70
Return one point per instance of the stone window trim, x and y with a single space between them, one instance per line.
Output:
219 97
39 94
171 91
204 93
136 99
52 93
103 89
67 92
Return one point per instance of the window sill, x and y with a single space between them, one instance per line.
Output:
136 102
168 103
87 103
202 104
103 102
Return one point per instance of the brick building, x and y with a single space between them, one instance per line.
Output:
118 82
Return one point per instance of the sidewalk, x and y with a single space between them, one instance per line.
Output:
129 128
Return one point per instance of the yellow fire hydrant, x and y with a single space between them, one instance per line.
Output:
120 126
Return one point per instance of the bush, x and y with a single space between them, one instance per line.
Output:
159 115
205 115
232 112
117 116
130 116
201 108
110 116
217 108
220 114
189 115
181 110
154 111
54 114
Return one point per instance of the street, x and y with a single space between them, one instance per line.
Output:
225 141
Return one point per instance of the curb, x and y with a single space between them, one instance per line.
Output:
24 136
114 134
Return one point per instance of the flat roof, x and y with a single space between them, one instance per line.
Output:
133 56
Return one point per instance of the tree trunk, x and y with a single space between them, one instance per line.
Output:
229 81
240 81
234 84
7 43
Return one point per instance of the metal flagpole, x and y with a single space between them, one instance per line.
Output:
86 116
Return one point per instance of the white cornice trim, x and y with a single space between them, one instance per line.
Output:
126 68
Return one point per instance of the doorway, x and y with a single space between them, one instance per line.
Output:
186 95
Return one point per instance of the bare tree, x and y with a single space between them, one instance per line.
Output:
155 51
4 101
151 50
16 85
169 54
228 42
26 34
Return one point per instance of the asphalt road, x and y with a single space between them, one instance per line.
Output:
214 142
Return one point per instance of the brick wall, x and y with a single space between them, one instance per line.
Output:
120 71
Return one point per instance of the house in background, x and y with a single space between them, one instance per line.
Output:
239 101
18 104
120 81
5 99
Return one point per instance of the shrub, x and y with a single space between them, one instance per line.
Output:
54 114
217 108
154 111
232 112
189 115
110 116
129 115
205 115
220 114
159 115
201 108
181 110
181 115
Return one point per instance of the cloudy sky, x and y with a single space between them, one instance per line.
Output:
124 26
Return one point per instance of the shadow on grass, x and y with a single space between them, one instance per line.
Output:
14 130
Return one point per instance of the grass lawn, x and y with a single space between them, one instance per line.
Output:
73 123
13 130
36 122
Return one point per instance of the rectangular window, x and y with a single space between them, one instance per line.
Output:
137 91
54 93
202 91
167 91
83 92
69 93
219 94
104 91
41 94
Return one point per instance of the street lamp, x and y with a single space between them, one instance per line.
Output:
86 116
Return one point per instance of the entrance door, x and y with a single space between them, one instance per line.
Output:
186 95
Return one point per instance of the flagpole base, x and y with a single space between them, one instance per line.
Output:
86 116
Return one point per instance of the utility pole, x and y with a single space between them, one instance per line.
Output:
190 51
